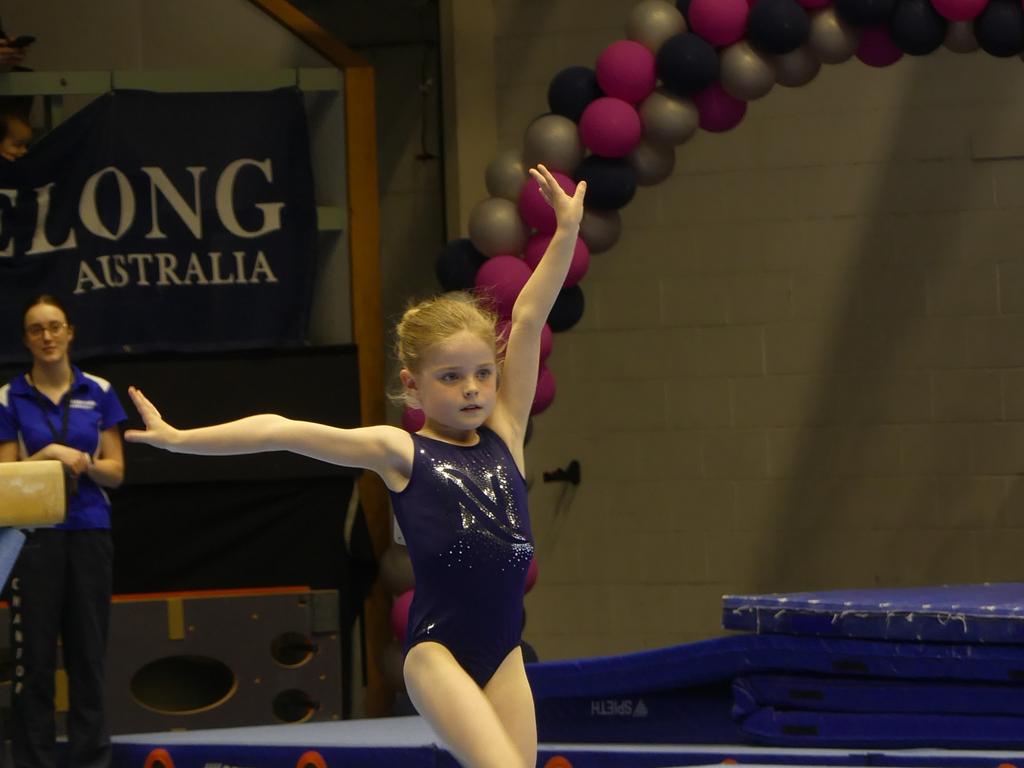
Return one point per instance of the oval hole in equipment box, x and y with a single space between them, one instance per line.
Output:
183 685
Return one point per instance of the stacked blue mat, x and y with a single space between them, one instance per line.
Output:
975 699
878 669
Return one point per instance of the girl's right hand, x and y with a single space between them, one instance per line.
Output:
158 432
568 208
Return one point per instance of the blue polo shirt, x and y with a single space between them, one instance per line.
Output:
94 407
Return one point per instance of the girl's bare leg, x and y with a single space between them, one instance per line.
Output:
457 709
510 695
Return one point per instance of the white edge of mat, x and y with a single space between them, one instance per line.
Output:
414 732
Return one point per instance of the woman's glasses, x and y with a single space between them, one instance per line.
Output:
54 328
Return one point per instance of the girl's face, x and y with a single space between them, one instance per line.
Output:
47 333
457 384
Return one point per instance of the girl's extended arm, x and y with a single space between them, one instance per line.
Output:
384 450
522 355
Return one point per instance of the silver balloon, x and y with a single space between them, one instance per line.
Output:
832 40
796 68
652 22
506 174
553 140
652 162
960 37
667 118
746 74
496 227
396 570
600 230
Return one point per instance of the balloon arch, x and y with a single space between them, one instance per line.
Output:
686 66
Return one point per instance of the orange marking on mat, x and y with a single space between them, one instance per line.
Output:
558 761
158 758
311 759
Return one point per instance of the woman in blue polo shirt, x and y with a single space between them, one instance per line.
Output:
61 584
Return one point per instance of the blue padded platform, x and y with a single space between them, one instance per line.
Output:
979 613
11 542
721 659
823 694
683 694
882 731
697 715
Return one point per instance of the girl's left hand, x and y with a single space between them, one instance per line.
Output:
568 209
157 432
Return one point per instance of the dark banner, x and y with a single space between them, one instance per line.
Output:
164 222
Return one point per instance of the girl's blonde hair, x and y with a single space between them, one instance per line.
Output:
428 322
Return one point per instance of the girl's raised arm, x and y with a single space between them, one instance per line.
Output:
382 449
522 355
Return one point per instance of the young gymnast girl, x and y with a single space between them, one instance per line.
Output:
458 491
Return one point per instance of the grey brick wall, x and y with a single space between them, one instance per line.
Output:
802 367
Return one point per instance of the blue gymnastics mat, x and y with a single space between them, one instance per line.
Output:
685 694
769 725
865 695
723 658
11 541
977 613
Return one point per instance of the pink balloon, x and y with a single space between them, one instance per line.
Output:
610 127
719 110
535 210
413 419
400 614
959 10
876 48
531 575
720 22
546 337
501 278
545 394
627 71
538 243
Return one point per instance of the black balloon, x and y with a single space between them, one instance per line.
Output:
778 26
687 64
684 8
1000 28
457 264
916 27
864 13
571 90
567 309
611 182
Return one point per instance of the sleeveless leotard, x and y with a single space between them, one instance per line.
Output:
464 518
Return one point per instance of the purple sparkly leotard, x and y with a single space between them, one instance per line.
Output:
464 518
